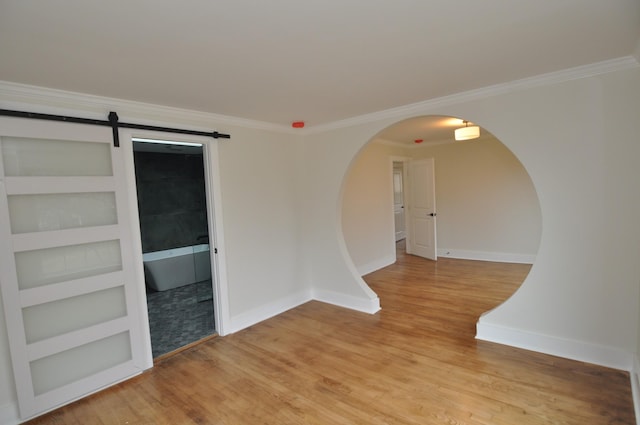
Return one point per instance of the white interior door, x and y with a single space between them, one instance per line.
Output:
71 300
398 201
422 209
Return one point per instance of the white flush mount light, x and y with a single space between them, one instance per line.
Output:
467 132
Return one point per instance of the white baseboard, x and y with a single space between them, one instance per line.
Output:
264 312
376 265
499 257
9 414
635 386
570 349
257 315
370 306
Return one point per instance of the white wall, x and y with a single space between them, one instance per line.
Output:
333 278
487 205
260 209
281 199
575 139
259 192
586 276
367 208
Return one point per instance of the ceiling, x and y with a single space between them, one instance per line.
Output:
319 61
420 131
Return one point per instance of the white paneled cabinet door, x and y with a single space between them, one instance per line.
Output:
69 293
422 209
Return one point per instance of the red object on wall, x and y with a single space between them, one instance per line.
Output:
297 124
418 141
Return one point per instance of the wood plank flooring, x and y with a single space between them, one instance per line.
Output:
414 362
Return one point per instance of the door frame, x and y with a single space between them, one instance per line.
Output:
214 220
405 194
402 204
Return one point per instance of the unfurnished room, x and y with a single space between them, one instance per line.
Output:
319 212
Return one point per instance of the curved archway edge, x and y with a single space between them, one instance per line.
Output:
567 306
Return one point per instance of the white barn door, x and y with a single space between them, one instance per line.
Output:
71 300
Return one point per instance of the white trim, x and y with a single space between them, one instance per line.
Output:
370 306
71 288
555 346
635 386
46 100
598 68
73 339
214 220
267 311
58 238
213 187
15 420
14 321
499 257
46 185
372 266
132 294
143 356
51 100
404 160
67 394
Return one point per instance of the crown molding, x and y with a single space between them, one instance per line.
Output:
585 71
46 98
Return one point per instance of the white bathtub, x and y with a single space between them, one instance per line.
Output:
177 267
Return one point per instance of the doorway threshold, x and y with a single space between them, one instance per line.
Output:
179 350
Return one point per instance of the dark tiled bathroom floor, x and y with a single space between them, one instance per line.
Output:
180 316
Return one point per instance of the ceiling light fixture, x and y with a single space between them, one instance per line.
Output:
467 132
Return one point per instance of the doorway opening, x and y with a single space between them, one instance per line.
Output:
174 228
399 224
488 208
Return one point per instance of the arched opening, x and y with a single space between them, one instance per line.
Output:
487 207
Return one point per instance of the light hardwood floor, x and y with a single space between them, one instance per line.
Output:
414 362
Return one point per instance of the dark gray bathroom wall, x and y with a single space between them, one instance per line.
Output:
171 199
